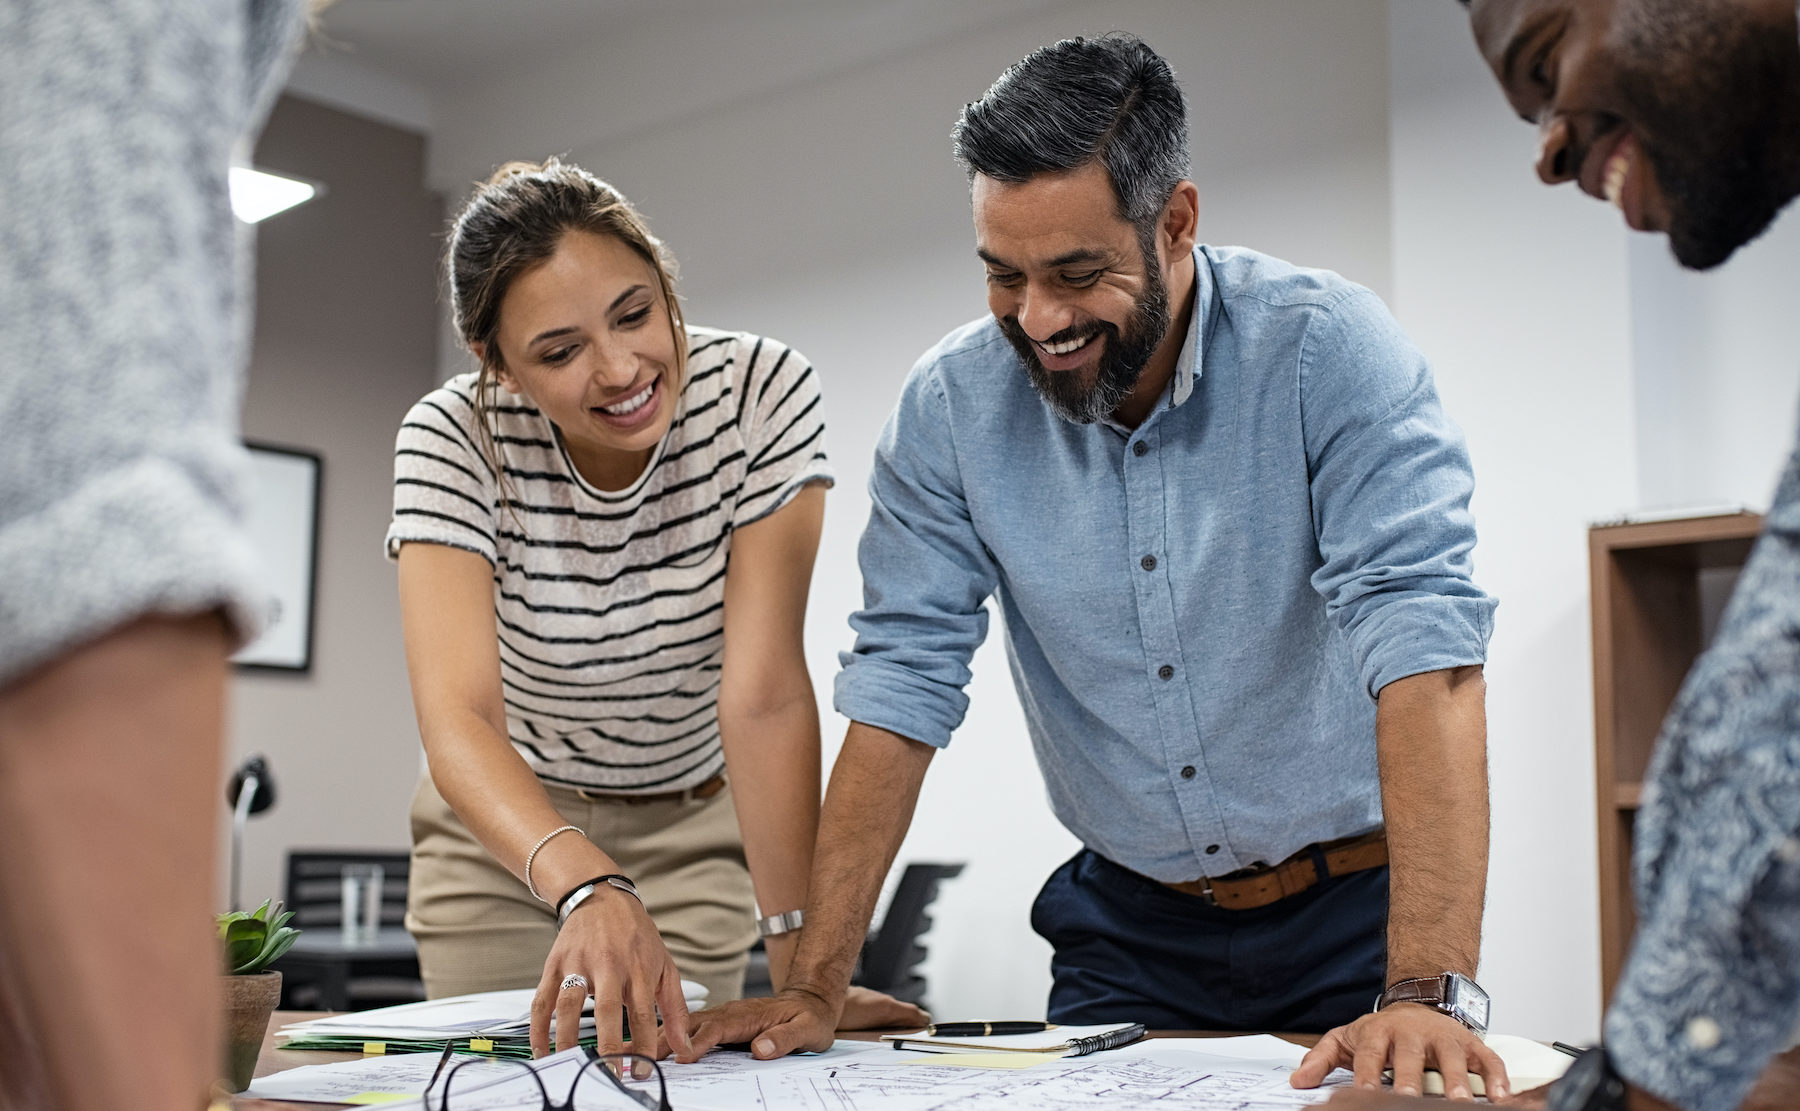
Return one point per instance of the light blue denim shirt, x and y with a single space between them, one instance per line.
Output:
1198 612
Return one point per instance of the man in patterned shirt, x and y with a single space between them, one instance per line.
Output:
1686 115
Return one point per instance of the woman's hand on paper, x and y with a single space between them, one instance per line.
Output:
610 941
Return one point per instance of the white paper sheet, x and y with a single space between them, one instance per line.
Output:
487 1012
864 1076
395 1074
1107 1081
1249 1047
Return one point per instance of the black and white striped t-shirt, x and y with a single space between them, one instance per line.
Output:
610 605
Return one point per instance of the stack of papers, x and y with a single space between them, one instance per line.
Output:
491 1022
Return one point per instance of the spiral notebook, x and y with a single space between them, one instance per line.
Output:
1070 1041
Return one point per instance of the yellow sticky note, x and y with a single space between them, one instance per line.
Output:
374 1047
366 1098
1004 1059
480 1045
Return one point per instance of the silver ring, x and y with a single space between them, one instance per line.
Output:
575 980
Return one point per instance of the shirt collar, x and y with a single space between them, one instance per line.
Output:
1187 364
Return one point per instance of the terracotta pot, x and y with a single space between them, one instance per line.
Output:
249 1001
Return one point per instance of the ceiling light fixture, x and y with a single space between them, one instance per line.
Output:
257 195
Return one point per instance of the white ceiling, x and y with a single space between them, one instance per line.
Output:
489 78
441 45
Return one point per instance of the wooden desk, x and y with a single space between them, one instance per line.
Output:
278 1060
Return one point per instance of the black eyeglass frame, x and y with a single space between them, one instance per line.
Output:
596 1062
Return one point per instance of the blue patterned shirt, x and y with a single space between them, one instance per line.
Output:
1198 611
1712 987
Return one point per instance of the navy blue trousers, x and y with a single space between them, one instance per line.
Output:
1129 949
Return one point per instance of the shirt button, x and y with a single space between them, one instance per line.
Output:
1702 1032
1211 849
1140 448
1188 773
1165 672
1148 563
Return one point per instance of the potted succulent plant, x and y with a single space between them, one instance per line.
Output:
253 941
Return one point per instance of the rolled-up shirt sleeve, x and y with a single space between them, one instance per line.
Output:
926 576
1391 482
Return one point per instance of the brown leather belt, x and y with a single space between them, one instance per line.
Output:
704 790
1258 887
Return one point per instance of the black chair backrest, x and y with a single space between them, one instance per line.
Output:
891 955
315 888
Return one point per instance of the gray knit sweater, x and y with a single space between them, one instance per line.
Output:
124 312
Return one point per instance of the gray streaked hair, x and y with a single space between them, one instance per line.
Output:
1067 104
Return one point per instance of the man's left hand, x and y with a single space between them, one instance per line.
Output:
1408 1038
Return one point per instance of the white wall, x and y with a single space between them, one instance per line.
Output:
1519 294
345 343
1715 361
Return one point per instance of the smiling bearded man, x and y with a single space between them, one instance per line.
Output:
1082 398
1226 521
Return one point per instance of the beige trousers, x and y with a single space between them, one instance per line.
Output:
478 929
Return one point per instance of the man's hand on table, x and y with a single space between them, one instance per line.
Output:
1777 1089
793 1020
1409 1038
867 1009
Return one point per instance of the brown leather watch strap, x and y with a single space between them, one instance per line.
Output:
1424 989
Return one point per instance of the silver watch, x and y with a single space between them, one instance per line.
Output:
1452 993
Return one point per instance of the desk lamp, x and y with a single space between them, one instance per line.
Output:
252 791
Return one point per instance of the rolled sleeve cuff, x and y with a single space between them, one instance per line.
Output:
1410 636
149 537
892 697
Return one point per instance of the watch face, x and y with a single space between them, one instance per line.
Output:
1466 999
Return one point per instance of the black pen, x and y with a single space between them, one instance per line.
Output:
1571 1050
985 1029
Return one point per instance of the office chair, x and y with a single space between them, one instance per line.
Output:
892 954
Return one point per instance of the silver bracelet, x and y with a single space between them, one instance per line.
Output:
776 924
532 855
583 893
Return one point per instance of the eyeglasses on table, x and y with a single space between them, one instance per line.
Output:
601 1077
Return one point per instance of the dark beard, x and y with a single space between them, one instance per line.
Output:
1719 132
1122 357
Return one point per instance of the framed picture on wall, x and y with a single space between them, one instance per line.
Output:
284 529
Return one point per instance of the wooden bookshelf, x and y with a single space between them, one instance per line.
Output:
1657 588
